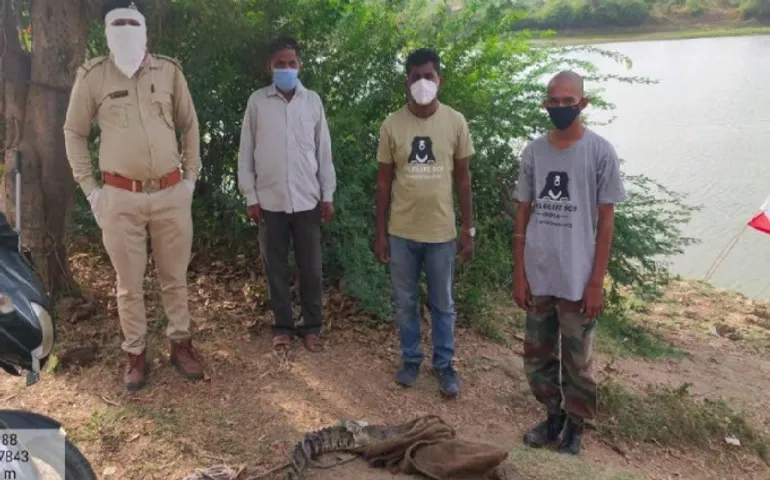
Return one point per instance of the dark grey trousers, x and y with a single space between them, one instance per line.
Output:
277 231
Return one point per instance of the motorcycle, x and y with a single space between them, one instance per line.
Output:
27 336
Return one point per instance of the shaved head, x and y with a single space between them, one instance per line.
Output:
566 89
565 99
567 80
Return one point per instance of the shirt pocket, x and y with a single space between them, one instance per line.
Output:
304 133
163 107
114 112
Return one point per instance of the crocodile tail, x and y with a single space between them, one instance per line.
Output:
314 444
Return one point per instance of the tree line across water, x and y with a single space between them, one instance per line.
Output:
598 14
353 57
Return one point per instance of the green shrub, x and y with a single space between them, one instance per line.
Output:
759 9
577 14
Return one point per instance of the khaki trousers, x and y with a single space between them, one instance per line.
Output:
126 218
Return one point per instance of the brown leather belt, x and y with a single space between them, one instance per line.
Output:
148 186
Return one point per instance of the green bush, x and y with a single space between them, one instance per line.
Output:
354 53
575 14
694 7
759 9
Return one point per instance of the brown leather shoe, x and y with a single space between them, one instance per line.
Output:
185 359
136 372
281 342
313 342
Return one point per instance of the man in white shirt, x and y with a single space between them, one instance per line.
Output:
286 173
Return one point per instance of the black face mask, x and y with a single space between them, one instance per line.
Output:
563 117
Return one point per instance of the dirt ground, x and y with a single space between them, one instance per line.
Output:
253 407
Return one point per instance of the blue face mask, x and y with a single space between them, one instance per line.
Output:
285 79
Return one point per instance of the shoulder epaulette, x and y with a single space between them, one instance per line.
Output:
91 63
168 59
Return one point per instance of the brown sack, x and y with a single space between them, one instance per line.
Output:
453 459
389 451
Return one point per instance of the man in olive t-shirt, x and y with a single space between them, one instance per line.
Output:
423 152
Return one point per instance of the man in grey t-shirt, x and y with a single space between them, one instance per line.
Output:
568 186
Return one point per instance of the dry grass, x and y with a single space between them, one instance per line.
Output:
542 464
672 417
707 311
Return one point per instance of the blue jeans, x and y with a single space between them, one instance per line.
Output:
407 261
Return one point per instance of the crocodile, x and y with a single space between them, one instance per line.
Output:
348 436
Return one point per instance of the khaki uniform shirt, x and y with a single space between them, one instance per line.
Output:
138 118
423 151
285 161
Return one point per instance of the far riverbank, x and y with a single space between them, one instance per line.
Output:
653 32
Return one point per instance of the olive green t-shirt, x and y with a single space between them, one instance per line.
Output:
423 151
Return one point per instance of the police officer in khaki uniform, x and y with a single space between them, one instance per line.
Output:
139 100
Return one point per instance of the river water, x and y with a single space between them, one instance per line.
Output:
702 130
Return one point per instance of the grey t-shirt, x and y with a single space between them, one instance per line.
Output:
565 188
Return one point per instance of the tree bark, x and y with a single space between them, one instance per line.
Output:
16 76
37 89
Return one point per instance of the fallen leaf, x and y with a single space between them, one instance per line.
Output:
52 363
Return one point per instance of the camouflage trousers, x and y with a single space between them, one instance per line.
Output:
561 383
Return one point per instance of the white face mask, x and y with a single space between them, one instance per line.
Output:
424 91
128 43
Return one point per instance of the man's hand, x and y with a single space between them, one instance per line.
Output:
381 249
467 247
593 301
327 212
521 291
190 184
93 200
255 213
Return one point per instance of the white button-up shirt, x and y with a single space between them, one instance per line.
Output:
285 159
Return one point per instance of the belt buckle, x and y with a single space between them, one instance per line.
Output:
151 186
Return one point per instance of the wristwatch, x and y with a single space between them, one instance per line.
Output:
471 231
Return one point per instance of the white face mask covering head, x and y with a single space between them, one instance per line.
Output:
127 42
423 91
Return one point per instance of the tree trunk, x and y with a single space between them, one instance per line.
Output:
16 75
37 89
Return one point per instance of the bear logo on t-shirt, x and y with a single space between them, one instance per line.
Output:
556 187
422 151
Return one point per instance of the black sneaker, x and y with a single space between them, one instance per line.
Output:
448 382
545 432
407 374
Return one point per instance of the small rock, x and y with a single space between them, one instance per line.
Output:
724 330
109 471
731 440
